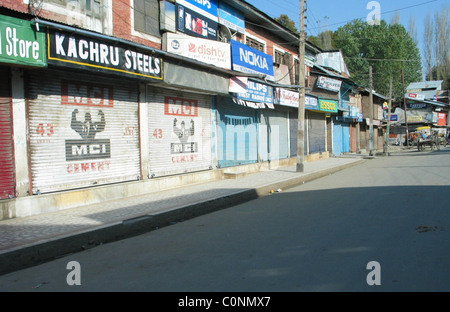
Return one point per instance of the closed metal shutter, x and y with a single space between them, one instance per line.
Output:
274 135
316 132
237 133
7 174
337 138
83 130
179 132
345 137
353 138
293 126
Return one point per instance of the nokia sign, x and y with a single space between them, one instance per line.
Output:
248 60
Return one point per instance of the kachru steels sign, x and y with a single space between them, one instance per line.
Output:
78 51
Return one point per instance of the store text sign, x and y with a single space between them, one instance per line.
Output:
329 84
78 51
328 106
257 92
20 43
249 60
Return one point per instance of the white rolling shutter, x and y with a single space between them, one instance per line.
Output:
83 130
179 132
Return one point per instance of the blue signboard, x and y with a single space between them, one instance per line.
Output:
248 60
257 92
311 102
231 18
206 7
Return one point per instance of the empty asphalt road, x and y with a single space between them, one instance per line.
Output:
320 236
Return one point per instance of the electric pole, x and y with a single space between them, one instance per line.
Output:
371 113
404 104
302 91
386 151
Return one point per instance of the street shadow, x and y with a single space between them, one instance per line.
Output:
283 241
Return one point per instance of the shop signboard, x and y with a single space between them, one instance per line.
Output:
286 98
257 92
207 8
329 84
207 51
231 18
415 96
311 103
77 51
249 60
441 119
328 106
195 24
20 43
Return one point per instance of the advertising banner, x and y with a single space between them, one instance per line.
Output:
20 43
329 84
286 98
82 132
248 60
207 51
231 18
328 106
207 8
68 49
180 132
257 92
195 24
311 103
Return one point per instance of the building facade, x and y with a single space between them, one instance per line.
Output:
107 99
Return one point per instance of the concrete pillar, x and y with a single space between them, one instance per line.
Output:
144 132
20 129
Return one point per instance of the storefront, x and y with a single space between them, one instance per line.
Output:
316 124
341 135
7 175
180 136
20 46
237 133
274 134
82 132
242 135
83 112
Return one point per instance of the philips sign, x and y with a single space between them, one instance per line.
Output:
248 60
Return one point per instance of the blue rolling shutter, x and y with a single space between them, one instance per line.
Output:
237 133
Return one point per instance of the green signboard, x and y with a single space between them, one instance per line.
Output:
328 106
20 43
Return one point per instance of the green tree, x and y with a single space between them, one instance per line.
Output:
287 22
389 49
325 40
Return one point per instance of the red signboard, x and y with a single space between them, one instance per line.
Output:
442 119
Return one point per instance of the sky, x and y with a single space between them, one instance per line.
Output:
332 14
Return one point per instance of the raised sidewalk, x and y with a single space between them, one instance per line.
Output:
28 241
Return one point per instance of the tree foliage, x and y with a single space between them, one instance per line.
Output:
389 49
287 22
325 40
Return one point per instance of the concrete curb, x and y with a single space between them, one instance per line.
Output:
44 251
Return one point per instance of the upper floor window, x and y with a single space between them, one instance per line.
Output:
255 44
146 17
283 58
89 7
89 14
